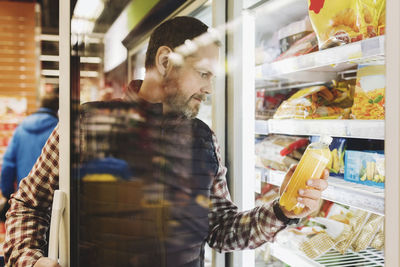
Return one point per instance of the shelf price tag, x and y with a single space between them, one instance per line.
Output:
370 47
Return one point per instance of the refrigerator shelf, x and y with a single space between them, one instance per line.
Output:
329 60
369 257
369 129
340 191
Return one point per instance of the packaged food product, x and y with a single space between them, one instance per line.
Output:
316 102
268 152
311 166
340 213
293 32
305 45
337 148
378 242
365 168
368 17
381 17
267 102
356 223
368 232
335 22
369 96
259 101
317 245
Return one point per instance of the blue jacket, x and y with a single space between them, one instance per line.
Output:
25 147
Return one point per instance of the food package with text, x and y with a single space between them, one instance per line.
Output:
369 96
365 168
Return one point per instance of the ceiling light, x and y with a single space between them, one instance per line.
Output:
88 9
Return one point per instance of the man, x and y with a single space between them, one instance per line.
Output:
27 143
174 91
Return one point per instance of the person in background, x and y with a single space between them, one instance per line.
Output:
168 89
27 143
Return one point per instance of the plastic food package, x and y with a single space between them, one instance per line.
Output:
368 233
293 32
267 102
346 21
268 152
317 245
305 45
382 18
369 96
365 168
292 238
316 102
372 17
339 213
379 240
356 223
336 22
336 163
334 232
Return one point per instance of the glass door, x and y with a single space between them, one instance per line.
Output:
128 190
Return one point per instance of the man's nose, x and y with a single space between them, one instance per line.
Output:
207 89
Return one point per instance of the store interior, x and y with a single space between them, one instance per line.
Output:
310 70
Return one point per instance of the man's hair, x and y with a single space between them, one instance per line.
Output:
173 33
50 100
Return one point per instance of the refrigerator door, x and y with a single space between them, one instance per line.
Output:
136 182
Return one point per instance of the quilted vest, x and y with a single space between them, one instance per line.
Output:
143 186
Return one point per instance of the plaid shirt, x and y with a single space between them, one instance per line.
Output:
29 216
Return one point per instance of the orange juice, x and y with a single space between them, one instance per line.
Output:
311 165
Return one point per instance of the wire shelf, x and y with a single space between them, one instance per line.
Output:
369 257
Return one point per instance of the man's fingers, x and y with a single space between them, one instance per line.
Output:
319 184
309 203
310 193
325 174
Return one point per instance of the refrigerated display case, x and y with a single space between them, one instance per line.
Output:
259 68
254 22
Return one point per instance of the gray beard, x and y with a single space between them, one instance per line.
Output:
180 106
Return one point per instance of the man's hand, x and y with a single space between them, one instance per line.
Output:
310 197
46 262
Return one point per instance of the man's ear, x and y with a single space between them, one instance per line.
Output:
163 63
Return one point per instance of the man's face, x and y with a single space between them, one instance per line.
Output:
186 86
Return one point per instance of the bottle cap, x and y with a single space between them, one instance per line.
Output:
325 139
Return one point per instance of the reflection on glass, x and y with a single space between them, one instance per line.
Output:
143 165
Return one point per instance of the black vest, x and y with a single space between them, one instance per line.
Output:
155 212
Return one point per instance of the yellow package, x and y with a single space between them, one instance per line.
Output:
335 22
316 102
381 17
372 15
367 233
379 240
367 12
356 223
369 96
317 245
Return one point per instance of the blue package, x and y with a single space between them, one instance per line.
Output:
337 148
365 168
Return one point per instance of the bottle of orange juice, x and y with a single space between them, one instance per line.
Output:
311 165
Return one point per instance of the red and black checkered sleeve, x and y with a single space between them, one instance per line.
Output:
230 229
29 215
